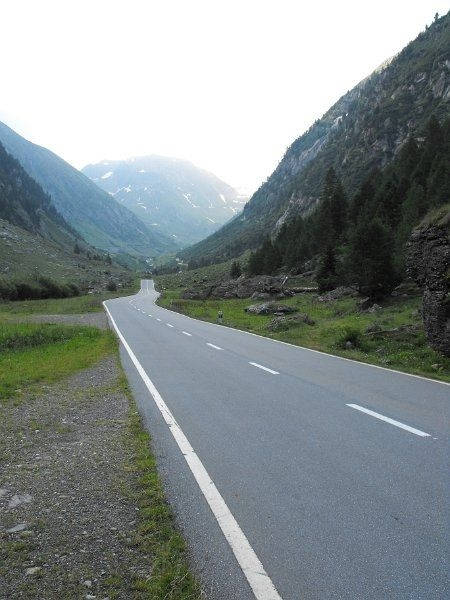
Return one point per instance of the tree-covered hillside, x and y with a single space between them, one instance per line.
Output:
361 238
363 131
24 203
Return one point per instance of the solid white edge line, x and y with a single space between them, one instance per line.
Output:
389 420
186 333
213 346
264 368
260 582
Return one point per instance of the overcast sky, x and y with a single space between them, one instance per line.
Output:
226 84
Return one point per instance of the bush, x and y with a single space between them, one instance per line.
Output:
28 291
8 290
112 286
43 289
352 335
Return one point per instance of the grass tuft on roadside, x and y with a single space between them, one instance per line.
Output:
63 306
31 353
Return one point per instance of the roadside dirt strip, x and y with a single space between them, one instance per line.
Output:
68 515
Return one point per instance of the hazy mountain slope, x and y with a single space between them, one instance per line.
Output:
362 131
101 220
24 203
36 241
25 255
171 196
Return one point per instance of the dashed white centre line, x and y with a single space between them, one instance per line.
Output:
213 346
264 368
186 333
169 325
389 420
158 319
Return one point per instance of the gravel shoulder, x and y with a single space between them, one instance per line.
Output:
95 319
72 463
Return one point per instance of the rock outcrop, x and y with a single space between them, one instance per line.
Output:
262 287
269 308
281 323
428 265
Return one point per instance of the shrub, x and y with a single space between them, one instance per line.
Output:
352 335
112 286
28 291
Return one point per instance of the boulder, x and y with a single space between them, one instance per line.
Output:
268 308
364 303
374 308
302 290
244 287
197 293
373 328
260 296
406 289
428 264
282 323
338 293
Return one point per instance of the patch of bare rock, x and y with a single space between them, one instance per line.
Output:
262 287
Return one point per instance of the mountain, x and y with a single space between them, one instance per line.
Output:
25 204
171 196
361 132
37 242
101 220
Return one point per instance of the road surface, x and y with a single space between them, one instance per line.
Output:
293 474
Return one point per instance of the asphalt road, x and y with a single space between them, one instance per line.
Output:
334 501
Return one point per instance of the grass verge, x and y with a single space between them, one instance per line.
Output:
335 323
63 306
31 354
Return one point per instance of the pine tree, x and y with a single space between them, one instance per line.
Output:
370 259
326 274
332 211
255 264
76 248
235 270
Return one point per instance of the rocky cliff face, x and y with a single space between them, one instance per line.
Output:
428 264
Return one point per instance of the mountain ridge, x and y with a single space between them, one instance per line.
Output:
362 131
168 194
100 220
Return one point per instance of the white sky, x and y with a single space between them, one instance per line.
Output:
226 84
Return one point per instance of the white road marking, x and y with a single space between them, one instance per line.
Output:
150 315
389 420
158 319
169 325
186 333
213 346
264 368
260 582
